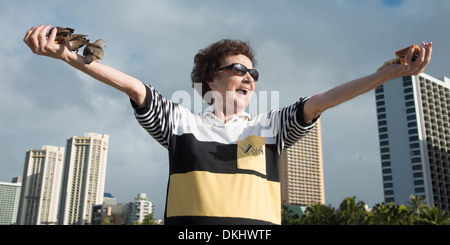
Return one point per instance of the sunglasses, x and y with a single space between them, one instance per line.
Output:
241 70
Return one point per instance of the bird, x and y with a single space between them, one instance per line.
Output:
93 51
62 34
72 41
76 41
401 57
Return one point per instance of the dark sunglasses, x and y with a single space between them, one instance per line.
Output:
241 70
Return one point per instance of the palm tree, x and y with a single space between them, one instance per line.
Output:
319 214
417 203
288 217
433 216
352 213
392 215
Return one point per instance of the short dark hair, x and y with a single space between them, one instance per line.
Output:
207 61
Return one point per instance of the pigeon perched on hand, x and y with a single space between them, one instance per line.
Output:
62 34
93 51
72 41
76 41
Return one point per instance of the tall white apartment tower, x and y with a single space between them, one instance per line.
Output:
301 171
414 131
83 178
41 183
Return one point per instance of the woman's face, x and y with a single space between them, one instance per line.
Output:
235 90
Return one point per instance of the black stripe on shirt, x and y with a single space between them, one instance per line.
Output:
187 154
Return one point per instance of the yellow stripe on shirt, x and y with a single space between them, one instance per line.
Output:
201 193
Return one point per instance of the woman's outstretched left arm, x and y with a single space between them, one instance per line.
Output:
319 103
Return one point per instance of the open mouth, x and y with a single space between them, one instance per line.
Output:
242 91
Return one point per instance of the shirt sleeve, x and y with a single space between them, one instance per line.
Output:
292 126
156 116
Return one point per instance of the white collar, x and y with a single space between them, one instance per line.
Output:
210 112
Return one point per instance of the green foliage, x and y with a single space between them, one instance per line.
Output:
288 217
351 212
107 221
148 220
320 214
392 215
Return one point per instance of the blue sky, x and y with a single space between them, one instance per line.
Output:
302 48
393 3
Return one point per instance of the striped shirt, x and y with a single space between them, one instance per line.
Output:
221 173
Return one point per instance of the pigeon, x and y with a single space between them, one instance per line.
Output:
66 36
76 41
93 51
401 57
62 34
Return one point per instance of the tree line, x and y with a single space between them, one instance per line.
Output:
351 212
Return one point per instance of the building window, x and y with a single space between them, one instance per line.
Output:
381 109
415 160
389 199
381 116
409 97
379 97
419 190
384 150
418 175
379 89
418 182
408 90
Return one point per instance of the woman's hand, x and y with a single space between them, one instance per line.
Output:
412 68
36 39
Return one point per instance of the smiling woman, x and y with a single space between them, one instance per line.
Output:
208 61
223 162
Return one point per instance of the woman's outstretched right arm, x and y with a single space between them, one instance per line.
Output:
36 39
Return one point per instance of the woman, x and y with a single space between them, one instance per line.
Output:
223 162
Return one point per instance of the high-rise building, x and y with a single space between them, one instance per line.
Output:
414 131
301 171
9 202
83 178
41 186
139 208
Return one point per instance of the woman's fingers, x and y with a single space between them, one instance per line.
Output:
27 35
41 43
51 38
29 40
42 37
33 40
424 58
